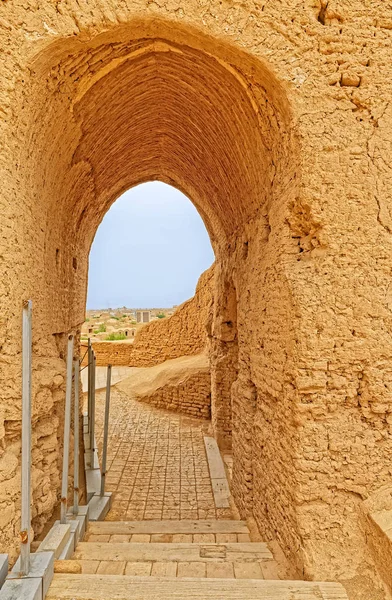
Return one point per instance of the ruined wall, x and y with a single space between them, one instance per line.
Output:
182 334
182 385
116 354
275 118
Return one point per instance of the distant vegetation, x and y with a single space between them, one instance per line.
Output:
161 316
113 337
101 328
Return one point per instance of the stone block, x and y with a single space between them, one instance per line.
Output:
22 589
3 568
56 539
72 541
100 506
82 518
93 483
41 568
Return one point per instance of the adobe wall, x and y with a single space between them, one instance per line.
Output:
181 385
275 118
182 334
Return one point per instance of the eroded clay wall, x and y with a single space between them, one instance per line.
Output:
191 397
181 385
182 334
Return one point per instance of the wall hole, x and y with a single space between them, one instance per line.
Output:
322 14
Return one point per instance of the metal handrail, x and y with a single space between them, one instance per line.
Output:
67 430
26 437
106 429
76 436
92 409
89 375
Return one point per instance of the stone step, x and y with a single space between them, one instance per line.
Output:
96 587
167 527
266 569
173 552
204 538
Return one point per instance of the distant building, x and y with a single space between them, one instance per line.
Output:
143 316
129 332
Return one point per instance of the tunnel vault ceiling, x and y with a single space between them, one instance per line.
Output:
216 126
171 113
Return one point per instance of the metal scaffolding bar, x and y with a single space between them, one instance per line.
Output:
106 429
67 430
76 436
26 438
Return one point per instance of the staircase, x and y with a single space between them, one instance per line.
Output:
175 560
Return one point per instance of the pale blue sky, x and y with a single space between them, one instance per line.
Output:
149 250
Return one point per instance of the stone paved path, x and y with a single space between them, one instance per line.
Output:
157 466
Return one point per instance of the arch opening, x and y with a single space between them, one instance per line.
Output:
176 107
145 102
149 251
151 259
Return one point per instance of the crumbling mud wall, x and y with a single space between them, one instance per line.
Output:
275 119
182 334
181 384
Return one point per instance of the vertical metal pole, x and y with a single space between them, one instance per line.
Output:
89 380
92 419
76 436
89 371
26 438
106 429
67 430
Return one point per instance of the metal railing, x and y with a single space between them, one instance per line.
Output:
106 429
76 436
92 408
26 438
89 387
73 371
67 430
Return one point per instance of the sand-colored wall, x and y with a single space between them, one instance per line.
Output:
182 334
275 118
182 385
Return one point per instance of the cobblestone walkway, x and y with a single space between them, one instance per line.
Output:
157 466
